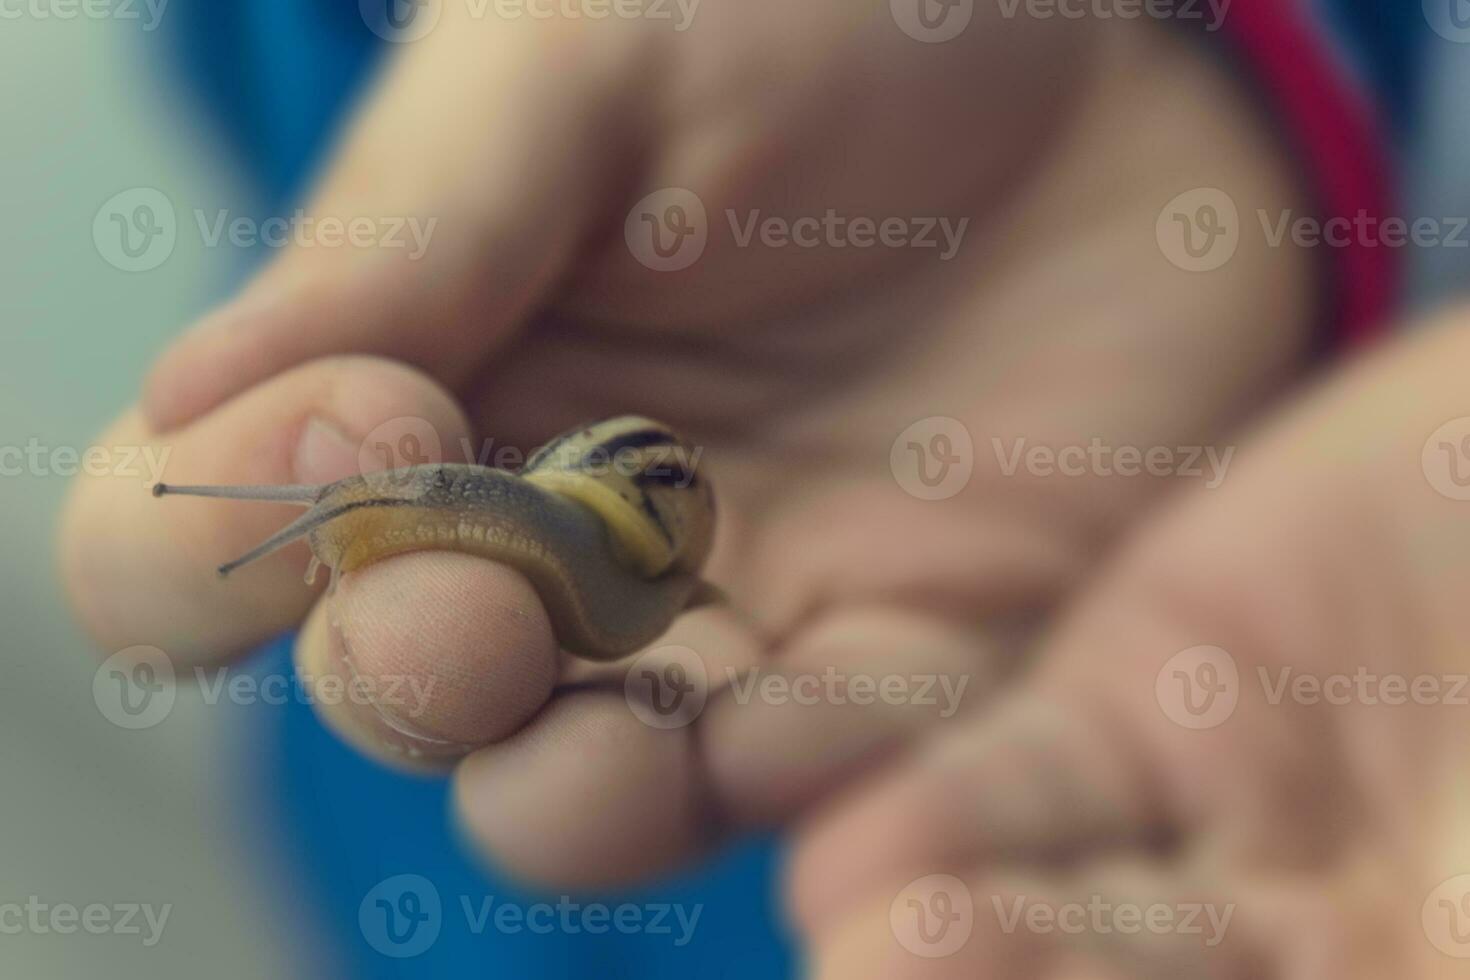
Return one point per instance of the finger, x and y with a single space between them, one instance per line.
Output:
1030 780
849 689
432 653
601 788
936 927
463 222
1123 919
1088 753
1130 918
141 570
1014 564
586 796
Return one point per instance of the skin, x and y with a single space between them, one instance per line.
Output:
1326 823
1057 321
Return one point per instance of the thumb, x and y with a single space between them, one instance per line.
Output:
459 195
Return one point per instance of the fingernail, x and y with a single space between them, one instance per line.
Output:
324 453
385 719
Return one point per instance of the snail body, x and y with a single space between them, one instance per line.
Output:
610 523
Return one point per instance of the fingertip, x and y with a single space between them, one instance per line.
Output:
586 796
393 413
209 362
860 838
340 698
857 685
141 570
294 313
865 944
178 387
469 638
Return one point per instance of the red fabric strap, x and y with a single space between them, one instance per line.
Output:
1340 144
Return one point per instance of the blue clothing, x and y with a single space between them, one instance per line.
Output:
1383 36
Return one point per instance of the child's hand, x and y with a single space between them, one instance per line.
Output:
1057 322
1298 795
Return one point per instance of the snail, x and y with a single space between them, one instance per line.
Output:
610 523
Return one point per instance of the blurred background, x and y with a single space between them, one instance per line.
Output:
90 817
